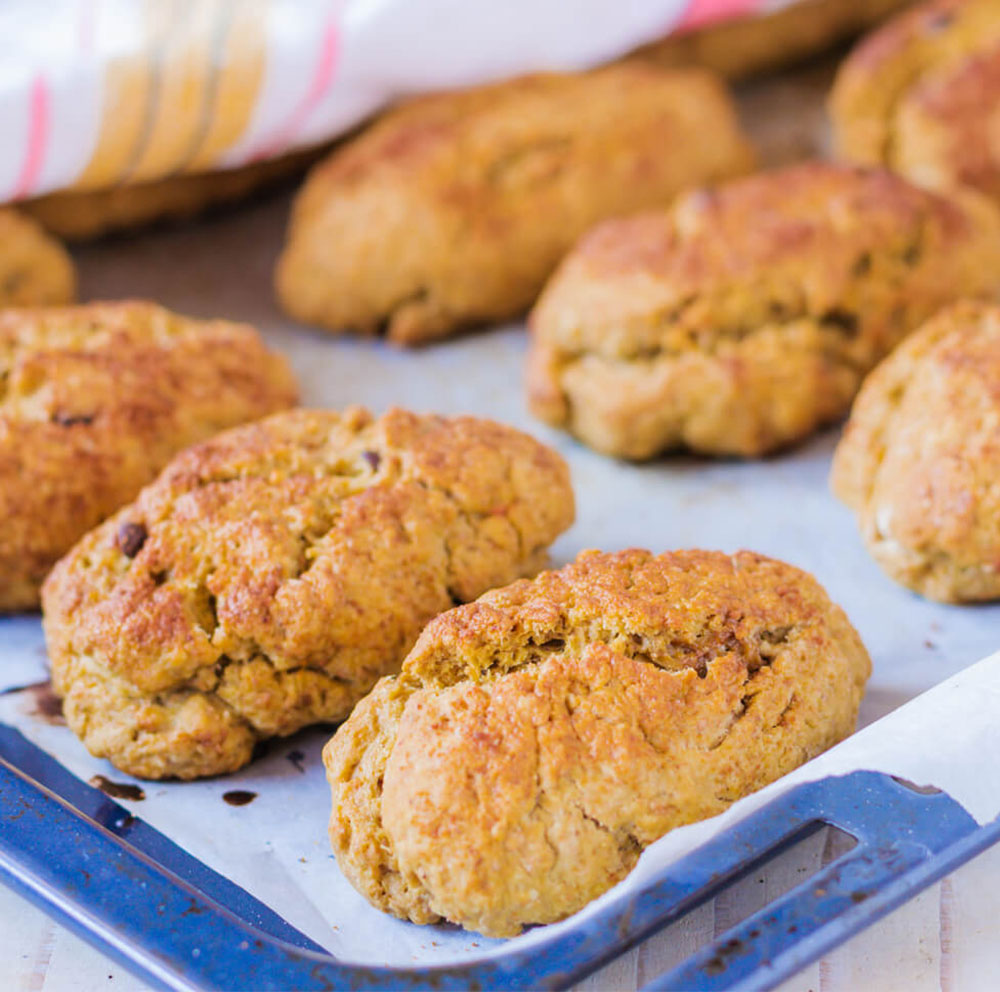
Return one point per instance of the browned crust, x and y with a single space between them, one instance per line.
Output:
745 317
920 95
270 575
538 739
94 400
81 215
35 270
918 460
738 47
453 209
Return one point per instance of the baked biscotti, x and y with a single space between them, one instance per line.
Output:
452 210
94 401
35 270
922 96
745 317
270 575
919 462
537 740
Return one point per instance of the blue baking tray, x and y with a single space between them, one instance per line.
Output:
139 898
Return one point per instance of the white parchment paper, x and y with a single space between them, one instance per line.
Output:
276 845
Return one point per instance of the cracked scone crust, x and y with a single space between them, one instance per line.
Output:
269 576
919 459
35 269
922 96
538 739
744 318
94 401
452 210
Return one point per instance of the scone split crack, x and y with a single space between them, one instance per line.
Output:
284 567
538 739
746 317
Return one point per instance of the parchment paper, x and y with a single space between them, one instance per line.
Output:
276 845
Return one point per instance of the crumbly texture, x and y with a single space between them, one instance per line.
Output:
922 96
452 210
269 576
738 47
35 270
745 317
918 461
78 215
537 740
94 401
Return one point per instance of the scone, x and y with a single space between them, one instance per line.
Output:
919 462
922 96
35 270
270 575
452 210
744 318
78 215
742 46
537 740
94 401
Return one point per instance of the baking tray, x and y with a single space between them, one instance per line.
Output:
259 859
142 900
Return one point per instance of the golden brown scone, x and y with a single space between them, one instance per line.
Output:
539 739
452 210
919 462
35 270
746 317
922 96
737 47
269 576
94 401
79 215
